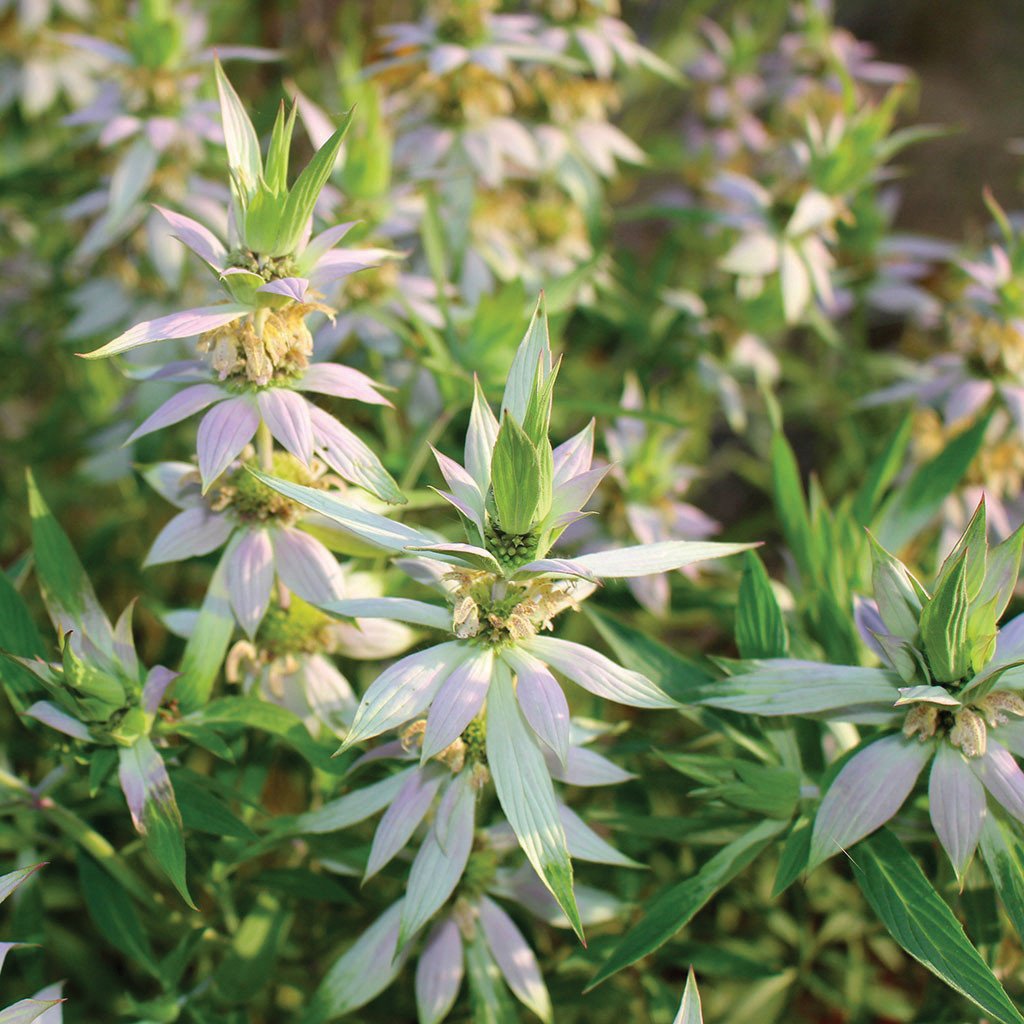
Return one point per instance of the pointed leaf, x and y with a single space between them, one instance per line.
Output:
920 921
526 794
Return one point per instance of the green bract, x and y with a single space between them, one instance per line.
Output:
271 217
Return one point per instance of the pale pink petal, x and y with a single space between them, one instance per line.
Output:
541 700
867 792
598 674
306 567
342 382
404 690
586 768
194 532
457 703
290 287
286 413
157 680
224 431
402 818
439 972
250 577
514 957
177 325
1002 777
203 242
956 800
184 404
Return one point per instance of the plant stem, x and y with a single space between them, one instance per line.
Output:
78 831
265 447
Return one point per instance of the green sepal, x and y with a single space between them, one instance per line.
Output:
275 169
973 543
94 688
516 478
302 197
898 595
1001 573
239 138
944 624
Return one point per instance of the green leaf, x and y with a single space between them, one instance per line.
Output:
67 591
676 907
760 627
973 545
689 1009
1003 850
255 947
944 625
114 915
302 197
208 643
791 505
515 478
18 635
203 811
916 502
921 922
796 853
150 796
682 679
251 712
882 472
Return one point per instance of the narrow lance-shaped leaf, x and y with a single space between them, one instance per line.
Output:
150 796
689 1008
67 591
897 593
921 922
534 352
760 627
676 907
526 794
1003 850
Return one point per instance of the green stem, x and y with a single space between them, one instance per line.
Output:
99 848
77 830
265 447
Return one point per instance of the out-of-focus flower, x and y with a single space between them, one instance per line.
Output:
650 483
240 405
37 66
150 112
982 371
